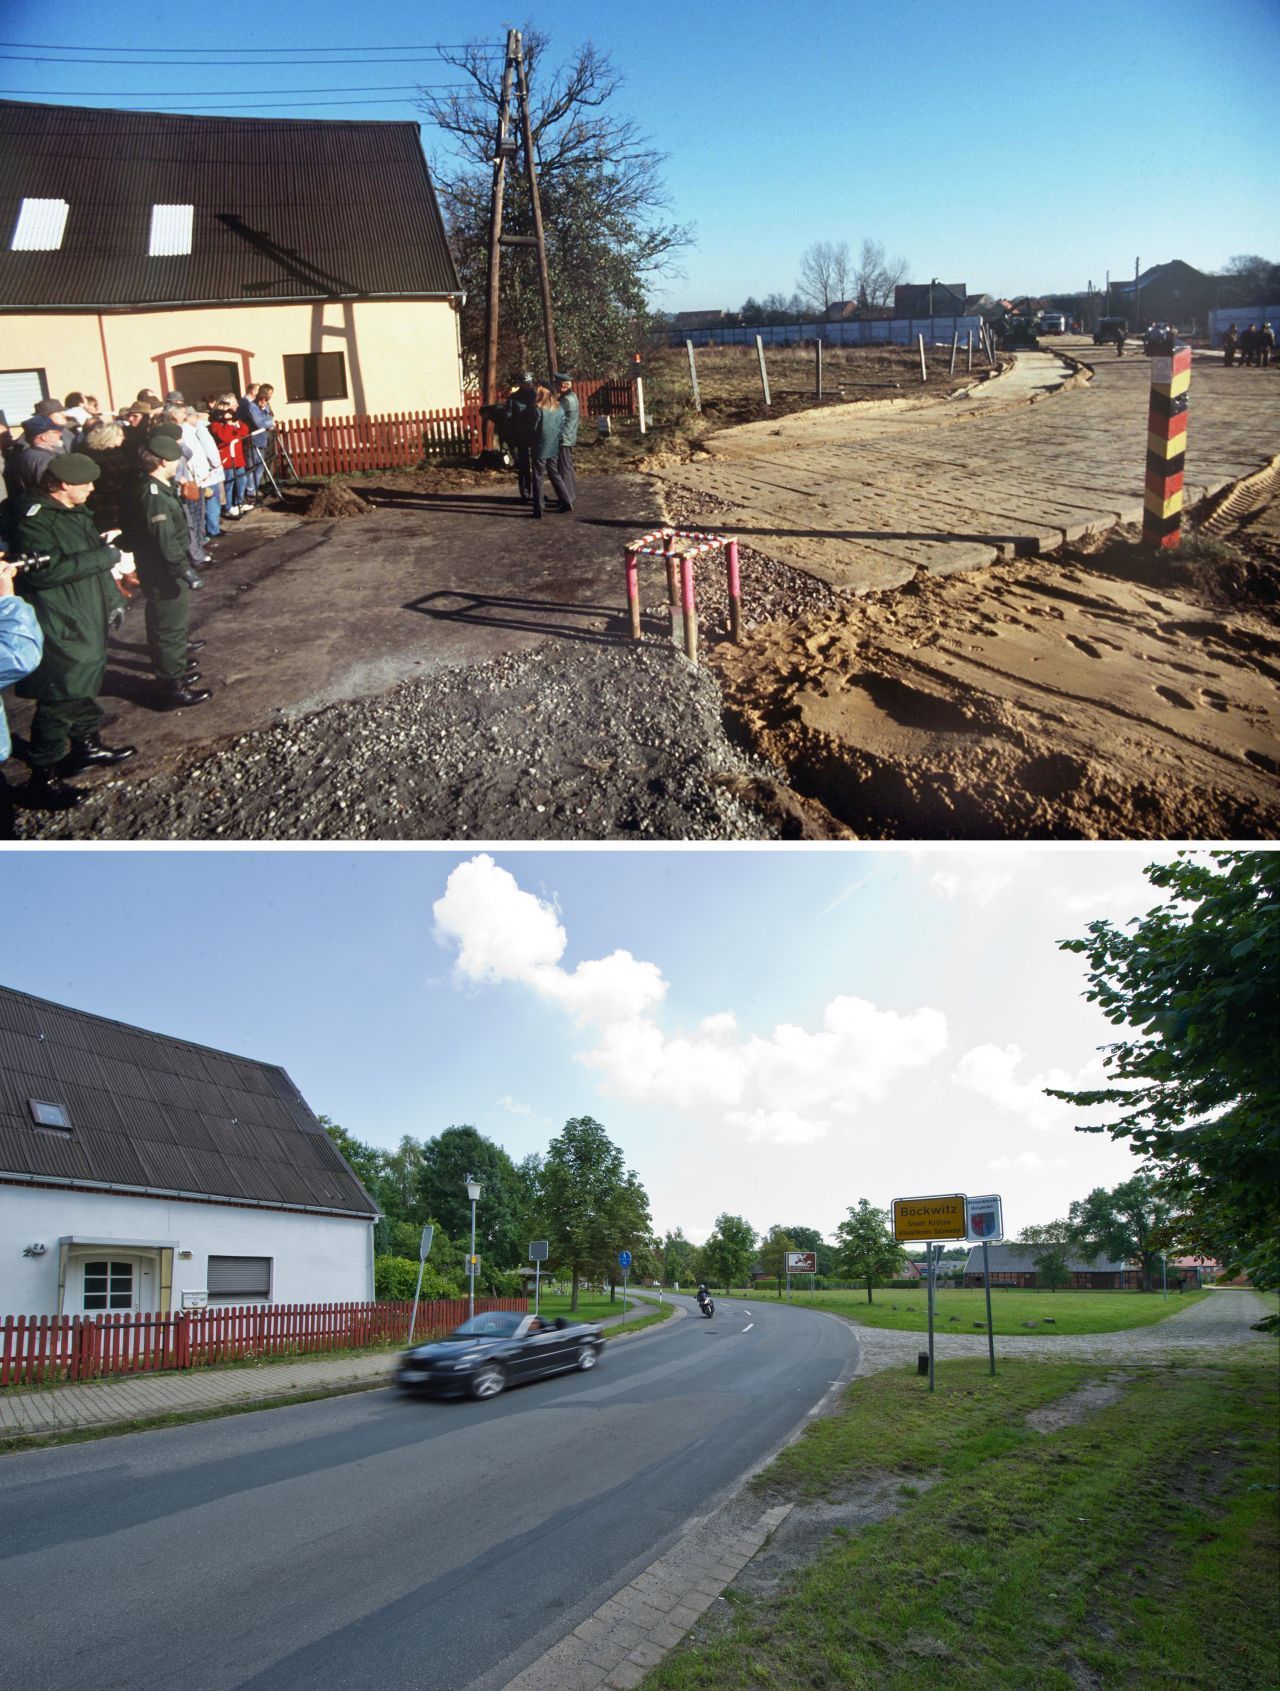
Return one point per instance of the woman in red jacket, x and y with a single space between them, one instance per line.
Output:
230 435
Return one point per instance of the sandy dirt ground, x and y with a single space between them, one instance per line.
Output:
1089 695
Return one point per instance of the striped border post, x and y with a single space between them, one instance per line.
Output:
687 607
735 589
679 548
633 593
1166 448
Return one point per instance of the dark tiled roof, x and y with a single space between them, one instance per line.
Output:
160 1114
1021 1259
284 209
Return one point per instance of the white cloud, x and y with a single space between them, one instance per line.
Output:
970 877
1028 1160
992 1072
792 1086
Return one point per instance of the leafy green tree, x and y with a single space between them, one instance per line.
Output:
865 1247
1052 1267
593 1207
602 198
1195 1086
729 1252
809 1239
1133 1222
773 1253
678 1259
444 1165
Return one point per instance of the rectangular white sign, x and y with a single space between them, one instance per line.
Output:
984 1218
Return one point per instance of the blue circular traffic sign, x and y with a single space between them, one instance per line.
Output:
624 1259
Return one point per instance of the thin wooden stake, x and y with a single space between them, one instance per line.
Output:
693 377
764 374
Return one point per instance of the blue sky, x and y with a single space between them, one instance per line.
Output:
1021 156
773 1032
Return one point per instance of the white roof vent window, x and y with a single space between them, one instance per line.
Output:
170 230
40 227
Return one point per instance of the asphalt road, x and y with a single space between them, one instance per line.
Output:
379 1541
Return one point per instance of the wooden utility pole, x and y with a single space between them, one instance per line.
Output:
507 147
544 279
502 151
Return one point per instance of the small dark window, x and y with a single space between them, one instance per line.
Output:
314 375
44 1114
108 1285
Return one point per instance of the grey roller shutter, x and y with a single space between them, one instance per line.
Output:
240 1277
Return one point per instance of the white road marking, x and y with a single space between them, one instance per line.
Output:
748 1327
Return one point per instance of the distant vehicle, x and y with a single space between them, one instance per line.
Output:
498 1349
1107 328
1053 323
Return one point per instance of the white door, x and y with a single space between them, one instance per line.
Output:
112 1284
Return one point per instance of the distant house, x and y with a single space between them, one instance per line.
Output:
141 1172
148 249
929 299
1174 293
1015 1265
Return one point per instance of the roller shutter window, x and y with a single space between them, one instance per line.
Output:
20 392
240 1277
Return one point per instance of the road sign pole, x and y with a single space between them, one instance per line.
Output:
624 1294
537 1284
986 1280
929 1248
416 1295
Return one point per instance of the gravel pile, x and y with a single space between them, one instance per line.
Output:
614 742
771 590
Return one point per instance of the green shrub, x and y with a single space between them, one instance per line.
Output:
395 1279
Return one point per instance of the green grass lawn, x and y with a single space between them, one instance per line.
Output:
1011 1311
592 1306
1138 1547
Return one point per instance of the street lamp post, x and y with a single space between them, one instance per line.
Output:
473 1192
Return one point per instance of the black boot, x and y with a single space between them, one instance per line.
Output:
195 646
175 695
46 791
89 752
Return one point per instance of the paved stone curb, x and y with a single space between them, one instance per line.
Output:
630 1633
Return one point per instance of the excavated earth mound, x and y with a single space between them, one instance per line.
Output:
1035 699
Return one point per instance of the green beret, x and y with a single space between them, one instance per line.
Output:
166 431
164 447
74 469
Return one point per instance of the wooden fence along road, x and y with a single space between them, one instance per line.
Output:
35 1348
402 439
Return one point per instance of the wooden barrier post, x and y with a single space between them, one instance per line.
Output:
673 590
924 372
1166 448
693 377
969 366
687 607
955 347
735 586
764 374
633 593
818 350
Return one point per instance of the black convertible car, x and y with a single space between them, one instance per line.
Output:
498 1349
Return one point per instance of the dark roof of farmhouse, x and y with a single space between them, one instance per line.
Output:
153 1114
1021 1259
282 209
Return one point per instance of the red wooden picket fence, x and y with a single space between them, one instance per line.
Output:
89 1347
402 439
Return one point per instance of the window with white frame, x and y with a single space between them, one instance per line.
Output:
40 227
171 228
108 1285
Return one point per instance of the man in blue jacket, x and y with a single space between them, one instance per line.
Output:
21 644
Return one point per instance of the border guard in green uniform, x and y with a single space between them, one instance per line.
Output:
158 534
73 596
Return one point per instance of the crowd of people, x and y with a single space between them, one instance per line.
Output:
538 424
97 508
1255 344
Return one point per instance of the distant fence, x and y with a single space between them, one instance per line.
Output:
90 1347
898 331
401 440
1241 316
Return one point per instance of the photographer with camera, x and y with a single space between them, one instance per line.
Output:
21 644
158 539
73 596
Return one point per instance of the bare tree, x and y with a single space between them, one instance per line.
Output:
602 200
875 276
824 275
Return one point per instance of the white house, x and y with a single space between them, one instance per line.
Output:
144 1173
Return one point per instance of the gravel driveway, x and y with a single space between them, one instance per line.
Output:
1214 1329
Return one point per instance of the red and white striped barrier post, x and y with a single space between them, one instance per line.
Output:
683 547
1166 448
